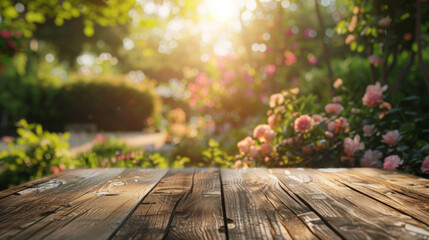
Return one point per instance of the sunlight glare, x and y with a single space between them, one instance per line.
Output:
222 10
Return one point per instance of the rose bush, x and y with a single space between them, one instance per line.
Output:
366 133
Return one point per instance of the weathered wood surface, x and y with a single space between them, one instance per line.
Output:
218 204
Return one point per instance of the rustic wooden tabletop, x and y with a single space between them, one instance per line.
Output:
208 204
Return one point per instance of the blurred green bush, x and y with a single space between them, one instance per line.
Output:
111 102
34 154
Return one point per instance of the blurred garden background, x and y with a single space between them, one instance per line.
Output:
212 83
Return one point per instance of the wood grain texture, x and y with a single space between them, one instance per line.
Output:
98 213
351 214
300 221
151 219
408 182
21 187
30 205
403 200
295 204
249 214
199 214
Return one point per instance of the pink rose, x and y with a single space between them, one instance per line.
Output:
371 159
303 124
7 139
338 83
287 141
334 108
392 162
386 105
339 124
376 87
265 148
272 121
307 150
270 135
100 138
425 165
270 69
276 99
294 91
264 133
238 164
391 137
55 170
279 109
328 134
253 151
332 126
350 38
317 118
337 99
372 98
245 144
385 21
259 131
376 60
355 110
368 130
5 34
352 145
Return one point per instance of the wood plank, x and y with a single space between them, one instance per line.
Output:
351 214
98 213
152 217
30 205
199 214
300 221
29 184
406 202
249 214
405 181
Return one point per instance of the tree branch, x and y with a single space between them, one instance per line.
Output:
325 46
404 71
419 44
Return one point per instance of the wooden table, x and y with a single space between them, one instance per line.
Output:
208 204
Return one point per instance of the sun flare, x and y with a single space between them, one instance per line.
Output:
221 10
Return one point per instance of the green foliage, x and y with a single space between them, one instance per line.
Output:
33 155
215 157
111 102
33 12
347 133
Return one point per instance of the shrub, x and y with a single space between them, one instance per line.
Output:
33 154
111 102
367 133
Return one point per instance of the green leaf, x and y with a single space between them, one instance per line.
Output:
411 98
10 12
402 148
353 46
213 143
405 16
414 47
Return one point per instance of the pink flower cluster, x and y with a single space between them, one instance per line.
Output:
391 138
371 159
334 108
374 95
247 147
303 124
100 138
392 162
425 165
